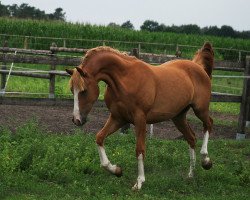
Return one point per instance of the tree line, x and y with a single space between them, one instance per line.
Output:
153 26
25 11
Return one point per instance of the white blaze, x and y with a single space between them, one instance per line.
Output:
76 111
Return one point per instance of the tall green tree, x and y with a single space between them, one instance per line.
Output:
4 10
227 31
190 29
58 14
128 25
150 25
26 11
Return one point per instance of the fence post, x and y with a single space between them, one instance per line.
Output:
64 43
135 52
26 43
4 67
239 59
244 116
52 76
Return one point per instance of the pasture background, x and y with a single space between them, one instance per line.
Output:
39 165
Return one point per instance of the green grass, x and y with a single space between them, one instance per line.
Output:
226 108
37 165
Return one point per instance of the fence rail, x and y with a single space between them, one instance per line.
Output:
53 58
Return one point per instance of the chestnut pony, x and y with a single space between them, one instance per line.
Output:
139 93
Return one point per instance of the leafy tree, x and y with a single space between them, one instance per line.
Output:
244 34
13 10
211 30
150 25
227 31
58 14
113 25
128 25
4 10
26 11
190 29
162 28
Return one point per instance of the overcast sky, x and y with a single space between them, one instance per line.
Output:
235 13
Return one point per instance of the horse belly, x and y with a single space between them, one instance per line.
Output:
168 106
155 117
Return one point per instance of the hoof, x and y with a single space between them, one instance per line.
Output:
118 171
136 187
206 163
190 175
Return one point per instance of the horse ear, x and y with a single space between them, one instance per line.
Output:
82 72
69 71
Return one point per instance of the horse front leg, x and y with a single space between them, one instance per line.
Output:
140 129
110 127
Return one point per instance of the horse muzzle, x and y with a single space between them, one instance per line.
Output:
79 122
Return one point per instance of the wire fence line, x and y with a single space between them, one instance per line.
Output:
186 51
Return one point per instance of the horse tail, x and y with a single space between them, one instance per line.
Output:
205 58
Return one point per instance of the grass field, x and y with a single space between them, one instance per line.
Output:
37 165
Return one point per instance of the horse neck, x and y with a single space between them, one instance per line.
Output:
108 68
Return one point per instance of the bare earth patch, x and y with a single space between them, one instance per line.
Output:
58 120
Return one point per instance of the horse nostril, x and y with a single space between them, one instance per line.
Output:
78 122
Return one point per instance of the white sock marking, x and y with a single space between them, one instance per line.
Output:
204 144
192 162
141 175
105 161
151 130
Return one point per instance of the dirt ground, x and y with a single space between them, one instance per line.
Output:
58 120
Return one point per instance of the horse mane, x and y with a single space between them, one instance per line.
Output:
90 53
205 58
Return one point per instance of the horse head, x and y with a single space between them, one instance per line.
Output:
85 90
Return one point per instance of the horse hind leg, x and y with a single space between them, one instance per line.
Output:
203 115
182 125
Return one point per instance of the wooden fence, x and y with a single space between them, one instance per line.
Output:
52 58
